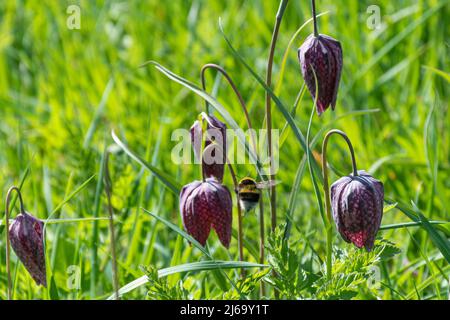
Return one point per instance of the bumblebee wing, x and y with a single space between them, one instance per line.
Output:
267 184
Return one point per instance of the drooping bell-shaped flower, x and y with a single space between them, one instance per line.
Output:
357 205
322 54
215 146
26 234
204 205
212 162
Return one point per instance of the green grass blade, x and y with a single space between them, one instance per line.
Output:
68 220
73 194
98 113
208 265
219 276
414 214
442 74
426 283
95 228
440 242
293 196
394 41
170 183
214 103
188 267
288 48
180 232
408 224
278 103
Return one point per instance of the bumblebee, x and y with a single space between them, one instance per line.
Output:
249 192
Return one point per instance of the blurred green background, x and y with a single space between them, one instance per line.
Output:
62 91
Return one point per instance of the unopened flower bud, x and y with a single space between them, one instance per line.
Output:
26 234
357 205
204 205
215 146
322 54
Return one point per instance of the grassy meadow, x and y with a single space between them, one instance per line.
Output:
63 91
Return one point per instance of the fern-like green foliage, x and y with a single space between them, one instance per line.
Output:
159 289
355 271
245 286
290 277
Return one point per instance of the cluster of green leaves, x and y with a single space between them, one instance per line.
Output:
160 289
291 276
355 271
245 287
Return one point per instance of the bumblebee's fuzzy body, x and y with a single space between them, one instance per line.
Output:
249 194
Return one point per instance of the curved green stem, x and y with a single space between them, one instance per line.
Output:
236 92
288 50
273 198
233 175
326 189
313 6
240 232
108 191
273 42
8 244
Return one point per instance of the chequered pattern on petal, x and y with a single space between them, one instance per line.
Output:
221 214
27 241
194 213
357 205
324 55
218 130
204 205
213 162
336 195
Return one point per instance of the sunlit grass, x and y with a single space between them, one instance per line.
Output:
63 91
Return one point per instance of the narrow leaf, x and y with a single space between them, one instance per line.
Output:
170 183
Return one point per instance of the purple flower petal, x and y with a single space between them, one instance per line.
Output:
204 205
322 54
357 205
27 240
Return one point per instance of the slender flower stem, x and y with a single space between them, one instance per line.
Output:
273 42
313 6
326 189
108 190
261 241
235 181
240 232
8 244
273 197
236 92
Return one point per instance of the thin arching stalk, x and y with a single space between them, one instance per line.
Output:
240 232
233 175
8 243
326 189
108 190
279 16
313 7
236 189
261 240
235 90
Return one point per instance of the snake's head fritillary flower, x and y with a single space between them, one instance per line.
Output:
204 205
324 55
26 234
215 146
357 205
